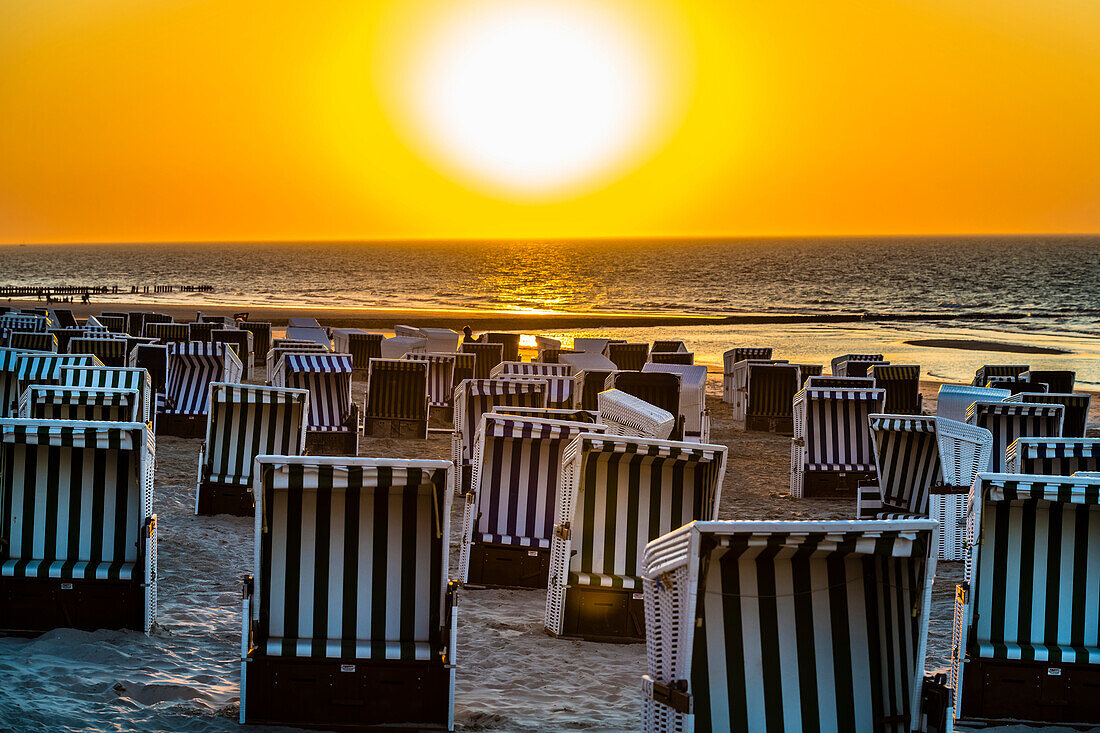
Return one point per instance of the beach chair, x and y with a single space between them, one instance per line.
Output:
1053 456
398 398
1056 381
116 322
763 395
616 494
156 318
856 365
279 349
63 318
33 341
128 378
590 372
441 382
591 345
153 358
487 355
332 425
964 453
953 400
805 371
110 351
660 389
440 340
245 421
398 346
465 366
168 333
35 367
509 344
553 356
21 322
983 375
475 397
547 344
349 618
558 378
135 323
308 329
694 415
907 464
1025 644
1075 416
1008 421
9 391
902 385
669 346
261 338
831 451
362 346
786 626
63 336
78 541
96 404
240 339
201 330
191 369
685 358
625 414
627 356
508 519
550 413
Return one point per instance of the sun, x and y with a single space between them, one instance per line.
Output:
534 98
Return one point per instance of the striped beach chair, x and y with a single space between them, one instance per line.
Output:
487 356
398 398
153 358
398 346
731 357
831 451
114 378
763 397
96 404
362 346
201 330
282 347
669 347
1060 381
465 366
907 464
558 378
168 333
625 414
660 389
242 340
902 385
32 367
9 391
332 425
1011 420
1025 645
63 318
22 322
953 400
509 344
33 341
983 375
508 518
786 626
551 413
79 541
549 345
590 372
475 397
110 351
63 336
685 358
349 618
628 356
616 494
245 421
117 322
1075 416
854 365
261 338
135 323
1053 456
693 398
441 381
191 369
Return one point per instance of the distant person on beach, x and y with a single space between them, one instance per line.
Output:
85 299
469 337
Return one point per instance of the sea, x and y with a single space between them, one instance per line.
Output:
1022 290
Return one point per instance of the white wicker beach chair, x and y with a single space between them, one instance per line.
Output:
1053 456
353 626
694 414
332 424
245 421
964 452
625 414
660 389
1025 646
1075 416
595 346
79 540
1011 420
954 399
508 519
440 340
831 451
191 369
773 626
617 494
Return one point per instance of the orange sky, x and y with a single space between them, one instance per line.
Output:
128 120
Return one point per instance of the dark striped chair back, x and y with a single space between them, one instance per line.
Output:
742 353
33 340
361 345
110 351
989 372
465 366
530 369
397 389
672 357
441 369
327 377
1035 544
246 421
833 423
660 389
157 318
1053 456
907 458
96 404
559 387
669 346
64 335
351 557
241 340
630 356
619 493
75 497
115 322
1011 420
168 333
771 390
282 347
508 341
475 397
550 413
261 337
115 378
135 323
11 322
487 356
787 626
201 330
1075 416
1060 381
64 318
587 385
838 362
902 385
41 368
191 369
805 371
153 358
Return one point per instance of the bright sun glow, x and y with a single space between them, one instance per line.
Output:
534 97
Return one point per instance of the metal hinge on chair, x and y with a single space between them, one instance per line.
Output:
798 441
562 531
469 497
673 695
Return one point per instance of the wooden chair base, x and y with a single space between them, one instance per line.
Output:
34 605
831 484
374 427
347 694
181 426
215 498
1033 692
332 443
508 566
603 614
781 425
